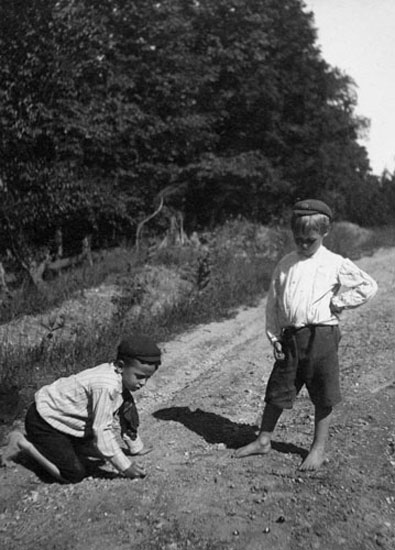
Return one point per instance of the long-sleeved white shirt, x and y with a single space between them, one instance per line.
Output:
303 289
84 405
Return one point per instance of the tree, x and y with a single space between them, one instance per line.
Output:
106 104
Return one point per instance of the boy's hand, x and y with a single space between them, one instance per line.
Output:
278 351
134 471
336 310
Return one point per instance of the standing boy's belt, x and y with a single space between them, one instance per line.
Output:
289 331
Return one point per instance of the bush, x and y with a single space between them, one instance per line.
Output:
162 292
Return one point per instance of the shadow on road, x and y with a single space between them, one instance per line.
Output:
218 429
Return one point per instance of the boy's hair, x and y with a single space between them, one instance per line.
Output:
315 222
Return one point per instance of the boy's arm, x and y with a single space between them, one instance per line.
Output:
103 408
361 287
273 330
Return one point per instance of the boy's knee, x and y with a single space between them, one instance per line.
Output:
75 474
73 477
322 411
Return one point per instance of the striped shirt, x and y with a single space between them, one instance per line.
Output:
84 405
303 289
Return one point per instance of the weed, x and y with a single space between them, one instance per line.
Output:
161 293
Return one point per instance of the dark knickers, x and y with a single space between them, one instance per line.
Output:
311 359
59 448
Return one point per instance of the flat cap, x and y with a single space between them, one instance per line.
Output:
140 347
309 207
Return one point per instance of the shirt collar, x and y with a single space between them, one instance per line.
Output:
315 256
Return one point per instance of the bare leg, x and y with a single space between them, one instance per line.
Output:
316 456
261 445
18 443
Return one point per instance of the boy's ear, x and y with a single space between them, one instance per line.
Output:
119 365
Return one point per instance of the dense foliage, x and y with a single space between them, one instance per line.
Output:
228 103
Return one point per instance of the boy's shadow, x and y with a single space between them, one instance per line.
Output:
217 429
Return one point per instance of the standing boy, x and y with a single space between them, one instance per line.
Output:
310 287
81 415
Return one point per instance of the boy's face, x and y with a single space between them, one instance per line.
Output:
308 242
136 374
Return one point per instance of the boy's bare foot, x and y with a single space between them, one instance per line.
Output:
313 460
17 442
257 447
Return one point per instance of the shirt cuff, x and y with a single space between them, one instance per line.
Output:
272 338
120 461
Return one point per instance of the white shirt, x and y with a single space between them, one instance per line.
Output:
84 405
303 289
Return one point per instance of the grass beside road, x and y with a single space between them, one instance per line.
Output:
230 267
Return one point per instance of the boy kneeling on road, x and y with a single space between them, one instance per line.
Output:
78 416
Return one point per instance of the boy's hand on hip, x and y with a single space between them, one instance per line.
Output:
336 310
134 471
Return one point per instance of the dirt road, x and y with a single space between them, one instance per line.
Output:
202 404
